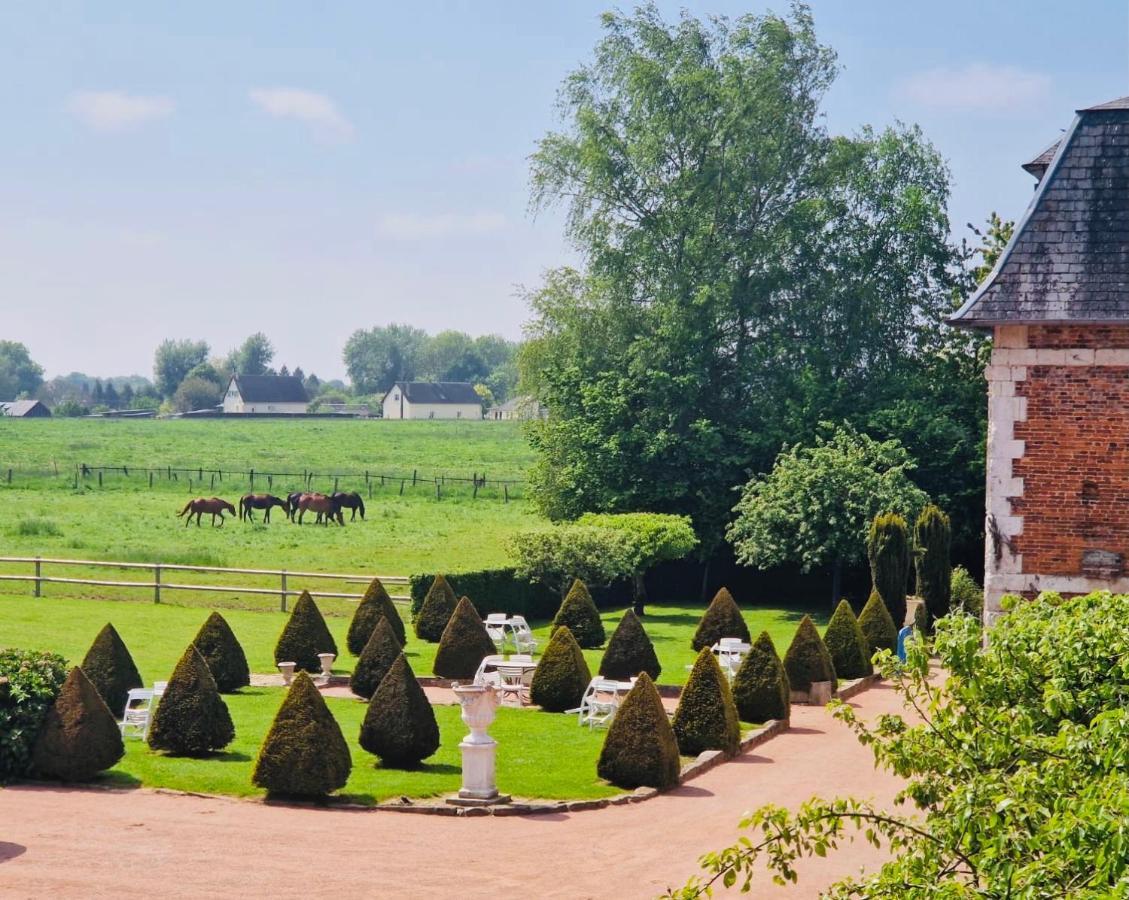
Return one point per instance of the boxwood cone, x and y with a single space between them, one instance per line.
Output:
79 737
223 654
375 604
304 754
877 626
375 660
578 613
304 636
722 619
437 609
400 725
706 718
888 551
630 651
191 718
463 645
111 669
760 688
808 659
847 644
932 535
562 674
640 749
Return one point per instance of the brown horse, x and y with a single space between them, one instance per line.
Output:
249 502
351 500
321 504
201 505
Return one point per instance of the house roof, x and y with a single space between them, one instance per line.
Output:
270 388
438 392
20 407
1068 260
1038 166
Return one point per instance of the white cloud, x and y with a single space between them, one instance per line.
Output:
116 111
313 109
419 226
977 87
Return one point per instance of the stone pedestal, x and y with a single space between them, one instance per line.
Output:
479 703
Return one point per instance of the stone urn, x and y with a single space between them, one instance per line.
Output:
287 670
479 704
326 660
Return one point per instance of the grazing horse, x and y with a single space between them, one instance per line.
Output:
323 505
201 505
351 500
293 499
249 502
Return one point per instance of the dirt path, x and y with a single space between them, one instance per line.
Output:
58 842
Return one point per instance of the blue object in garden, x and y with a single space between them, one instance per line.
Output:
902 635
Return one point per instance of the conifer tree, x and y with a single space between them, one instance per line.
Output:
438 606
375 660
111 669
760 687
847 644
223 654
629 651
562 674
579 614
375 604
808 659
400 725
706 718
640 748
304 636
191 718
79 736
463 645
888 550
722 619
932 535
877 626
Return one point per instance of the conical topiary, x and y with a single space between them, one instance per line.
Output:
436 611
722 619
562 674
640 749
932 535
629 651
79 737
400 725
578 613
221 651
191 718
375 604
846 643
111 669
305 636
877 626
888 551
706 718
463 645
807 659
760 687
375 660
304 754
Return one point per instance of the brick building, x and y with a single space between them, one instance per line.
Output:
1057 305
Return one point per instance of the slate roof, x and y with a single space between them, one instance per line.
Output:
1038 166
438 392
21 408
271 389
1068 260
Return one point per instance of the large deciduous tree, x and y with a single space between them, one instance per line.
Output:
20 375
379 357
252 357
173 361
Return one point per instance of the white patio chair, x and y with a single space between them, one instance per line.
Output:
482 677
730 652
513 683
522 635
497 635
136 716
599 704
159 688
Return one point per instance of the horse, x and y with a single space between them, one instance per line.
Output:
249 502
322 505
201 505
351 500
292 499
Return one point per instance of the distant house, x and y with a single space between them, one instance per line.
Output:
265 394
24 409
432 400
518 408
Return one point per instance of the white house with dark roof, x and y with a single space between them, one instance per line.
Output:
24 409
280 394
432 400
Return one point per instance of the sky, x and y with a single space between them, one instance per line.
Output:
208 170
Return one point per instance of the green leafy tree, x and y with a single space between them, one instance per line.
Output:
379 357
993 240
173 361
932 538
197 393
252 357
888 550
557 555
20 375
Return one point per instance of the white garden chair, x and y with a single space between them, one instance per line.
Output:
137 714
159 688
599 704
730 652
496 627
524 641
482 677
513 682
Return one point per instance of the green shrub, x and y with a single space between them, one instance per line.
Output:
578 613
400 725
877 626
888 550
375 660
508 593
932 536
562 674
304 754
967 595
850 653
29 682
223 654
706 718
191 718
438 606
111 669
640 748
630 651
722 619
463 645
808 659
375 604
304 637
760 687
79 736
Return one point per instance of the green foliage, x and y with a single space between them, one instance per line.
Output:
304 636
992 244
888 550
463 645
196 393
304 754
562 674
640 748
507 592
554 556
110 668
252 357
652 537
808 659
222 652
191 718
578 614
375 605
967 595
29 682
629 651
436 610
375 660
20 375
79 736
760 687
850 652
400 725
722 618
877 626
706 718
932 539
173 361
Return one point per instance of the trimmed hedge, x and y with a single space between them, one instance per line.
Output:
760 688
79 737
808 659
111 669
400 725
888 551
562 674
304 754
630 651
847 644
436 611
722 619
191 718
29 683
501 590
375 660
933 538
967 595
640 749
223 654
463 645
375 604
706 718
304 637
578 613
877 626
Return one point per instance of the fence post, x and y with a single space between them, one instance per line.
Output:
38 576
99 476
335 484
401 488
282 604
414 473
506 493
157 583
438 493
150 479
252 474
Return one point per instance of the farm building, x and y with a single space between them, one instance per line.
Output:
1057 306
24 409
265 394
432 400
518 408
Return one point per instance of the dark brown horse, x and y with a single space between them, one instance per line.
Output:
201 505
321 504
351 500
249 502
